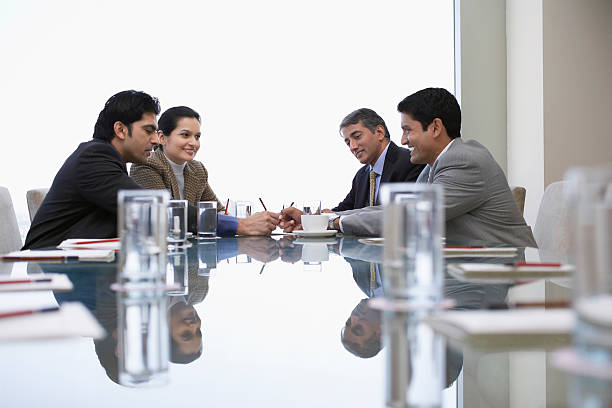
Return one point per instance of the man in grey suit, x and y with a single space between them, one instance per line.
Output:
479 206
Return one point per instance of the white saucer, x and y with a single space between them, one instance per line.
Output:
323 233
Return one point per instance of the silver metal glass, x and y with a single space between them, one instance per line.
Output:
207 219
142 227
413 228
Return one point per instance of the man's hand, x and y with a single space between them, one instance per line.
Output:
326 211
291 219
259 248
262 223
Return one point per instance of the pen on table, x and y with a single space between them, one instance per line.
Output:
517 305
226 205
8 282
28 312
542 264
97 241
463 247
263 205
262 268
40 258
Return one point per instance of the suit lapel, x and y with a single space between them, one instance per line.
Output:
362 198
390 160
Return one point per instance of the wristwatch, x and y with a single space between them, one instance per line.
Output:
330 222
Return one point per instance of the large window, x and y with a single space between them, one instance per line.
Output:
271 79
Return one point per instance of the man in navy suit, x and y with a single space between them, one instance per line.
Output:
367 136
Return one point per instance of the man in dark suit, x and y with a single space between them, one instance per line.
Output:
82 201
367 136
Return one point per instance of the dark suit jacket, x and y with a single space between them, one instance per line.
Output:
82 201
397 168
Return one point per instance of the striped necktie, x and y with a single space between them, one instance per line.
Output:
372 186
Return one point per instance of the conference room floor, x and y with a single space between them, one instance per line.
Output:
272 311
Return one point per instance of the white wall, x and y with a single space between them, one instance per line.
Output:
577 84
481 72
525 101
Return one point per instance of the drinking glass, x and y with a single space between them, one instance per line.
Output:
413 226
143 228
143 339
207 219
243 209
176 273
589 194
311 207
177 223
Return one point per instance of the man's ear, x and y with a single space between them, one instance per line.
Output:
379 132
437 127
120 130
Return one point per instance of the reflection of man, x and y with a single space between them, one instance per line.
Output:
185 333
367 136
361 333
479 206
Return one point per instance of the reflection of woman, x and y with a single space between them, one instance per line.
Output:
172 165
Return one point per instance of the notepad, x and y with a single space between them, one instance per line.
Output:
71 320
99 255
463 252
502 270
91 243
518 327
59 282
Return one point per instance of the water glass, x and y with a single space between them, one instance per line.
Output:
177 223
311 207
415 361
143 228
177 273
143 338
413 226
207 219
243 209
207 257
589 199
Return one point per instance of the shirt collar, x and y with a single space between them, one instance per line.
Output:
444 151
380 163
177 167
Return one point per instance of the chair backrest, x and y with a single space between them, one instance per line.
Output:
552 230
519 196
10 239
35 198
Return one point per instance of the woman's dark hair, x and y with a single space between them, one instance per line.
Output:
169 119
126 107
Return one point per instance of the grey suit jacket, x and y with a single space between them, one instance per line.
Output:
479 206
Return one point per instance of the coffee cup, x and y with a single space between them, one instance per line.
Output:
314 222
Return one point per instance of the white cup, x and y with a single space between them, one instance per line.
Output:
314 222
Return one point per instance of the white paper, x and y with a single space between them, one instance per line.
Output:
104 255
506 322
71 320
59 282
491 269
94 243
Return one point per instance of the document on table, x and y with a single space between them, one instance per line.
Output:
519 327
91 243
59 255
38 281
71 320
510 270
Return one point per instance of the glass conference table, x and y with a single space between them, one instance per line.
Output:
284 322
